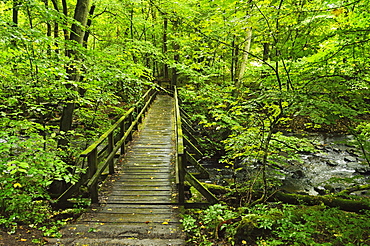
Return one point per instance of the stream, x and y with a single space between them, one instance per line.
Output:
334 166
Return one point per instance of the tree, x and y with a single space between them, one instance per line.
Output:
77 38
298 67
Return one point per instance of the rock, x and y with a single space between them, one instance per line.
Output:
321 190
297 174
352 152
331 163
329 188
336 150
350 159
363 170
248 229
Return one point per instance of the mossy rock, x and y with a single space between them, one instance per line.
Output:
248 229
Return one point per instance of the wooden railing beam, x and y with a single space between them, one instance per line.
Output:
203 190
198 154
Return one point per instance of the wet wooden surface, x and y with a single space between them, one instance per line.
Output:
138 209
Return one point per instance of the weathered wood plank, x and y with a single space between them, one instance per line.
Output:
211 198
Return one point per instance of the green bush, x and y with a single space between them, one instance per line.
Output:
29 164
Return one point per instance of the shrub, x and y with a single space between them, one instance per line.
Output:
29 164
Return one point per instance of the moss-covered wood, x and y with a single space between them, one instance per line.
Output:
203 172
354 189
328 200
192 148
211 198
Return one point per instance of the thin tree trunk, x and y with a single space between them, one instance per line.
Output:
165 27
56 25
234 59
48 27
243 62
15 14
65 12
176 58
88 25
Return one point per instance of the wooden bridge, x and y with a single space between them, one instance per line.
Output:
144 151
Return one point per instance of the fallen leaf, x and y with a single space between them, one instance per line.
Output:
23 239
165 223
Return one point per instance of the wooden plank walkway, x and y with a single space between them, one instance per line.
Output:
138 209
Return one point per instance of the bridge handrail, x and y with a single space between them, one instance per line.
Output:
179 161
98 161
182 157
94 145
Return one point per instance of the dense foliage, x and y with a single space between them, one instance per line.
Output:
249 72
276 224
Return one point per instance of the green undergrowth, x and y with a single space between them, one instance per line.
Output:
276 224
30 166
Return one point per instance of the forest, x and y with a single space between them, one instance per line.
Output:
261 79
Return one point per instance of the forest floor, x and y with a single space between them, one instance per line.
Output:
24 236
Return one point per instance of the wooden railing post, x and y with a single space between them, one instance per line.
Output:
92 160
140 116
130 120
110 149
181 178
121 134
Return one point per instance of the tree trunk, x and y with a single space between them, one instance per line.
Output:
328 200
56 25
15 12
176 57
234 59
77 34
80 15
88 25
15 17
244 60
48 25
292 198
65 12
165 66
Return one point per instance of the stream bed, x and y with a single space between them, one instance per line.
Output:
336 165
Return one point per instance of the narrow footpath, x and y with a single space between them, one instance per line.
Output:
137 209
